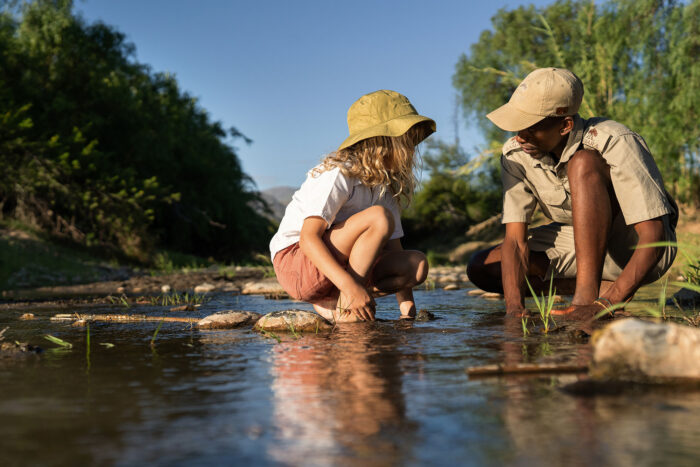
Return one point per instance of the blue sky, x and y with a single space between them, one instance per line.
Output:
285 72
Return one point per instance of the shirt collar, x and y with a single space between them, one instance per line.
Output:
572 144
574 141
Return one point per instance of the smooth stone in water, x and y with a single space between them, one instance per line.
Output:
204 288
424 315
165 288
640 351
491 295
451 287
27 316
265 286
476 292
298 320
228 319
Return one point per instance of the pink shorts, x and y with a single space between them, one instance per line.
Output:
300 278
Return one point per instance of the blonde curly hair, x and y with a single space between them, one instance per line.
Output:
385 161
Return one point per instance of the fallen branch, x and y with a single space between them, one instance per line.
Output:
521 368
123 318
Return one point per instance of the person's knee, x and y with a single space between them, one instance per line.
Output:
484 275
381 220
475 266
420 267
584 164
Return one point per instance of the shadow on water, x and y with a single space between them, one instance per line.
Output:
384 393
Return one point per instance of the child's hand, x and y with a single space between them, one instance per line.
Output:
357 300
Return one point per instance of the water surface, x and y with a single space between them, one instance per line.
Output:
383 393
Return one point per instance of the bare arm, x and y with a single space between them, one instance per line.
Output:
404 297
514 265
312 245
641 262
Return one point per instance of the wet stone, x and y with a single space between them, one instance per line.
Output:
228 319
204 288
27 316
640 351
297 320
424 315
475 292
268 286
451 287
492 295
18 349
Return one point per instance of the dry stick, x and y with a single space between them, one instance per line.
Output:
520 368
124 318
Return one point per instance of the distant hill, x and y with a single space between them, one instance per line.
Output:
277 198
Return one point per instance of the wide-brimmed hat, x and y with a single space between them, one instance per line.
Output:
381 113
546 92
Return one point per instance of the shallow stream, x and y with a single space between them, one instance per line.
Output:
383 393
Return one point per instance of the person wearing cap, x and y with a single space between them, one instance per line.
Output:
597 181
338 243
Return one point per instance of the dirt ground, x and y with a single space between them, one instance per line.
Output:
234 279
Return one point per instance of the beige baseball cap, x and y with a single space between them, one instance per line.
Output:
546 92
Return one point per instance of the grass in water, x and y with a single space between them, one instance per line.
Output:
524 321
544 306
294 331
155 333
57 341
87 346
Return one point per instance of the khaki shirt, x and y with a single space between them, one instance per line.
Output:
635 177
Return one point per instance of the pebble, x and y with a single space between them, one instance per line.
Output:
27 316
121 290
424 315
165 288
476 292
204 287
492 295
451 287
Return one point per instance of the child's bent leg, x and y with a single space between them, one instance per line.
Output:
398 271
360 239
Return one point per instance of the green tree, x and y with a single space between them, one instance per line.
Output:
637 59
104 151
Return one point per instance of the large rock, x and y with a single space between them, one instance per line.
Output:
293 320
268 286
228 319
636 350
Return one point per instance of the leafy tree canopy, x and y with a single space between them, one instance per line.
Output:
98 148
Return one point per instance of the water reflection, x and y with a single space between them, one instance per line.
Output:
339 398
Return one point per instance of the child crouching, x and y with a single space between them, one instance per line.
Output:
338 244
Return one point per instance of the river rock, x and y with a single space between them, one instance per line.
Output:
165 288
27 316
640 351
686 298
262 287
228 319
451 287
474 292
424 315
492 295
204 287
298 320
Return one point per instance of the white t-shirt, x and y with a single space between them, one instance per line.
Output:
333 197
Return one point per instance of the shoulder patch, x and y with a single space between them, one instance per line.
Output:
595 139
510 146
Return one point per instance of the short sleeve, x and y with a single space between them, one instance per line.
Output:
518 200
636 179
323 194
393 206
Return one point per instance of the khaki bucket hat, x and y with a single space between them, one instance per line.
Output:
381 113
546 92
